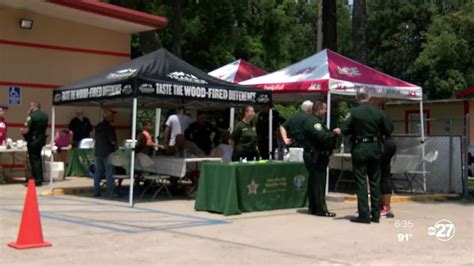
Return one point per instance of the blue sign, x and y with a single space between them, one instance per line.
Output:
14 95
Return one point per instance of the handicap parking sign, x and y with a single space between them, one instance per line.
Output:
14 95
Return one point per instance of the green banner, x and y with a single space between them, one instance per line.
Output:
245 187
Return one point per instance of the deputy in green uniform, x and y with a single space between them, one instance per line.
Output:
244 137
34 133
292 130
319 142
365 124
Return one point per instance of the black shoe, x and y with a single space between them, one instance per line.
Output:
375 220
326 214
360 220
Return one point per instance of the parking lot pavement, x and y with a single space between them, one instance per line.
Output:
85 230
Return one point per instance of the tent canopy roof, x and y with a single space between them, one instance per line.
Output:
237 71
157 79
328 71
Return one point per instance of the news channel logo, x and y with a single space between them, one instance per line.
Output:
443 230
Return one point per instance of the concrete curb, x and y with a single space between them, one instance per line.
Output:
332 196
413 198
67 191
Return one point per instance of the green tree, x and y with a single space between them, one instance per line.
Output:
344 28
394 35
268 33
446 63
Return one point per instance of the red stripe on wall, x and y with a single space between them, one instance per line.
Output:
116 12
6 165
29 85
63 48
59 126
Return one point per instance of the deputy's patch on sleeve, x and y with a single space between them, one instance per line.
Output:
318 126
348 115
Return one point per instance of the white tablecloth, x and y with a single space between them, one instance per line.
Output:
13 150
341 161
174 166
401 163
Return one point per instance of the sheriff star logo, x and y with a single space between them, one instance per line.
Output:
348 115
253 187
318 126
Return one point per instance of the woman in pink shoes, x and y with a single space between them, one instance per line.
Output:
389 150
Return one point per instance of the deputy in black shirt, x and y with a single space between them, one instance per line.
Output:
200 132
81 127
262 130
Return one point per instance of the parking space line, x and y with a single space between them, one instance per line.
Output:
188 221
74 221
141 209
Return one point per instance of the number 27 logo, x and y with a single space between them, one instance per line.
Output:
443 230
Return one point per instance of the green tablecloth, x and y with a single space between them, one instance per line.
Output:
81 159
246 187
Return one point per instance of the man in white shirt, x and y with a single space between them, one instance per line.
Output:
175 125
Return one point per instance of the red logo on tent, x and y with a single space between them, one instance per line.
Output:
314 87
412 93
274 87
340 87
348 71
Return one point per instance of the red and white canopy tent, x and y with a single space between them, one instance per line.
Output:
237 71
332 73
328 72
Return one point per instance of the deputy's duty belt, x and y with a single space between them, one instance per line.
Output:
321 152
367 140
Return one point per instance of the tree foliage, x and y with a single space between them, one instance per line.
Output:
445 64
428 43
425 42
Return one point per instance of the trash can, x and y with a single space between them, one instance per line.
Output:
54 170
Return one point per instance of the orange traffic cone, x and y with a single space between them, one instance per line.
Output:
30 234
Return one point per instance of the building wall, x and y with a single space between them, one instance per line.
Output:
73 51
54 52
439 113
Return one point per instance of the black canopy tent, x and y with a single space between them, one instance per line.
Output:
157 79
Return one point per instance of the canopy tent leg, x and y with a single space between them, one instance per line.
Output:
157 123
132 156
328 124
422 133
53 129
270 132
231 120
